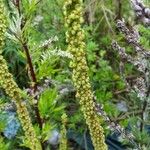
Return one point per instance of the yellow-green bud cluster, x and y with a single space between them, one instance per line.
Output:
63 139
12 90
30 135
75 38
2 25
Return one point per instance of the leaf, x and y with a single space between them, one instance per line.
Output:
47 101
48 104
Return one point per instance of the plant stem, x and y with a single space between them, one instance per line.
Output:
33 76
17 3
118 10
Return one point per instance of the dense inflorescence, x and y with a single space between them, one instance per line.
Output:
73 12
9 85
2 25
142 12
63 139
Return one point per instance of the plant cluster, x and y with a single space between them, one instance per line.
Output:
70 78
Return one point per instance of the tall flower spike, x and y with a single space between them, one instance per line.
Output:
63 139
73 12
12 90
2 25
